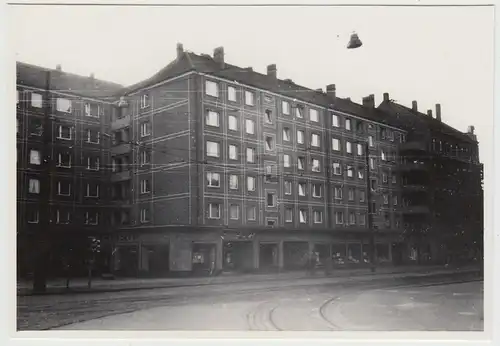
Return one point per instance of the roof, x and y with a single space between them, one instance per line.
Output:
405 116
62 81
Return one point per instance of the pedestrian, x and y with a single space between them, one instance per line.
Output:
212 268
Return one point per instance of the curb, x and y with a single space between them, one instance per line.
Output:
63 291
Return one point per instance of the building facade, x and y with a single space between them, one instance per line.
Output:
210 166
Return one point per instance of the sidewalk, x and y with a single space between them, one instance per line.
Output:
24 288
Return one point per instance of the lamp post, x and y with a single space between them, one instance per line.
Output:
371 228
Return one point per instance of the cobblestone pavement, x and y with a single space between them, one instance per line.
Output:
46 312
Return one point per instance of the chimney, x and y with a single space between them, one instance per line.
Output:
369 101
219 56
470 129
429 113
438 111
272 71
180 50
331 90
92 76
348 98
319 90
58 67
386 97
414 106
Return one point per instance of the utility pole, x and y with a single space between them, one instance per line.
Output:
371 229
42 240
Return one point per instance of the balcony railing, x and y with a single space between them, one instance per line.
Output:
121 176
121 149
119 123
411 166
413 146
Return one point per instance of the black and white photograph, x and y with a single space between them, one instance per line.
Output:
251 167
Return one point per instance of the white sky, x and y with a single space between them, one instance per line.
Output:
432 55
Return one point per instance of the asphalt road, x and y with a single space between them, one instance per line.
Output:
416 303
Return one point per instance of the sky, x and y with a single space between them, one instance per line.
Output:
431 55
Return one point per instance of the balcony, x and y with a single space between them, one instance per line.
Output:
119 123
120 149
412 166
416 209
413 146
414 187
121 176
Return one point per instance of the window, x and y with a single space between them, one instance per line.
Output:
93 136
286 160
360 149
372 163
316 165
285 108
373 185
249 98
233 152
384 177
231 93
302 189
145 157
271 199
317 190
92 190
144 101
145 129
335 120
288 187
251 183
34 186
403 138
88 110
36 100
64 160
213 149
370 141
362 196
144 215
288 215
232 123
64 132
315 140
338 192
63 217
250 126
351 194
382 155
318 216
335 144
390 135
213 179
145 187
17 97
300 163
339 217
348 146
352 218
211 88
286 134
268 116
362 219
212 118
233 182
63 188
350 171
361 173
100 110
313 115
269 143
270 173
337 170
300 136
298 112
250 155
395 200
251 213
348 124
35 158
394 179
303 216
93 163
213 211
63 105
33 215
234 212
91 218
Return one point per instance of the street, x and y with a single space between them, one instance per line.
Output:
318 304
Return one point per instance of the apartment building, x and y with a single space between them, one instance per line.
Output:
441 184
228 166
60 118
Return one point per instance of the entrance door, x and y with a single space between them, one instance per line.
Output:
295 255
268 257
158 260
238 256
203 257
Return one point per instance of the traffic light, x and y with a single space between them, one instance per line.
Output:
95 245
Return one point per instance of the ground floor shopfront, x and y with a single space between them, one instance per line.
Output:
187 252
